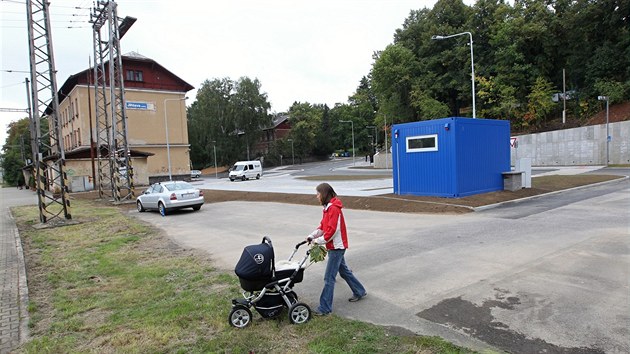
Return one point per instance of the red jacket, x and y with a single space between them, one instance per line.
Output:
332 228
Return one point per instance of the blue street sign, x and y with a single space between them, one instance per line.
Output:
137 105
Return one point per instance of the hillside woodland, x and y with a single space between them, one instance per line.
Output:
533 59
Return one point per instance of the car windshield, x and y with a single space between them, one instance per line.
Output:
237 167
175 186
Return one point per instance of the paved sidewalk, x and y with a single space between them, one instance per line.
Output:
14 297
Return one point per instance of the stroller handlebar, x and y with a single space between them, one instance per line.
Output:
296 249
266 239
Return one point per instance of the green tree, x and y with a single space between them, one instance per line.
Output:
363 104
341 134
392 76
539 104
498 101
309 123
427 107
229 115
323 136
613 89
210 123
251 111
16 151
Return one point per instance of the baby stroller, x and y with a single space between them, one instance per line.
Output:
268 286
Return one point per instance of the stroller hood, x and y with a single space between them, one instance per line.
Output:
256 263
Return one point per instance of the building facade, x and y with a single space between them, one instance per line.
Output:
155 105
280 129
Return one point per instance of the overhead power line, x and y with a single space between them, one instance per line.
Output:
25 110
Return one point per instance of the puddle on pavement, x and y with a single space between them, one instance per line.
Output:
478 322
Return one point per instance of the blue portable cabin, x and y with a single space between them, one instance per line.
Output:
450 157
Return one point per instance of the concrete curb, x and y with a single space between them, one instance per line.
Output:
515 201
22 285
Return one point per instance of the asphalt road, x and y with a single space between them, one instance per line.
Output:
546 275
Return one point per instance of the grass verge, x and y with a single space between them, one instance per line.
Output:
112 284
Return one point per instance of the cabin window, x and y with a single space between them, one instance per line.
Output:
422 143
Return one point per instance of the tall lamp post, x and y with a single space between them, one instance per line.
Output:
292 154
352 127
214 148
605 98
472 63
168 146
386 149
375 135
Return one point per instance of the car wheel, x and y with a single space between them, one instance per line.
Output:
257 176
197 176
299 313
162 209
240 316
140 206
243 178
196 207
231 179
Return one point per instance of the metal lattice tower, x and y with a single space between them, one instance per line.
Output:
46 143
115 171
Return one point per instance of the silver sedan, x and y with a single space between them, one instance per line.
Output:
170 195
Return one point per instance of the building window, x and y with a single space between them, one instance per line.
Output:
134 75
422 143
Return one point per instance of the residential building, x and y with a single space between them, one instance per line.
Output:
155 104
280 129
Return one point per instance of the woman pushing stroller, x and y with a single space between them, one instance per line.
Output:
332 232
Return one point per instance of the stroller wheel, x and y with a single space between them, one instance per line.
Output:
299 313
240 316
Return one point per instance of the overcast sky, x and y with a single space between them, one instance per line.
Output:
301 50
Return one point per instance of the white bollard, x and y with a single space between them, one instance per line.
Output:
524 164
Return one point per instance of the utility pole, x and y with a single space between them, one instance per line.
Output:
564 98
386 149
111 117
44 108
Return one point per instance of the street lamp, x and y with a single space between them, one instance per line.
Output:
386 149
352 127
292 154
375 135
214 147
605 98
168 146
472 62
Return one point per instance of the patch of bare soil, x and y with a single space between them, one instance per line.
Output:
616 113
402 203
418 204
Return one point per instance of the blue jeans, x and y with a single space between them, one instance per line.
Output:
337 264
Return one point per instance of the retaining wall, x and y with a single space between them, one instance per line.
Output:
576 146
567 147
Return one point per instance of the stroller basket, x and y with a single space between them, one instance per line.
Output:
271 304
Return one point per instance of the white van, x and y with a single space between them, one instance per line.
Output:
244 170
